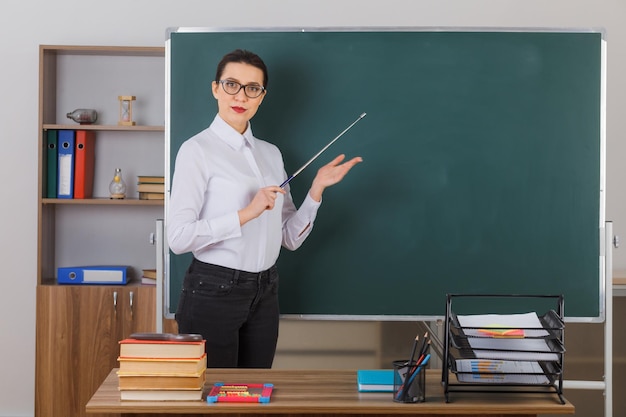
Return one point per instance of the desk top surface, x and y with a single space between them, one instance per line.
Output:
328 392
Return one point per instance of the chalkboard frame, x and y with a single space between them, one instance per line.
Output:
597 309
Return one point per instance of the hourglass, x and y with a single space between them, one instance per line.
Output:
126 110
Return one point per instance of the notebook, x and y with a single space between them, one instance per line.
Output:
375 380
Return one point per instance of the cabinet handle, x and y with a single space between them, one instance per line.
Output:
130 302
115 302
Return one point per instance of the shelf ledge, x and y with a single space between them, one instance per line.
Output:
102 201
105 127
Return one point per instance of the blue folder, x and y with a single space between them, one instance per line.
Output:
65 166
95 274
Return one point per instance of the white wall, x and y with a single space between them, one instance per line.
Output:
26 24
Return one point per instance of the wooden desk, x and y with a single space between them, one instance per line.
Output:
329 392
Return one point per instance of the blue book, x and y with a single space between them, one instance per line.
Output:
65 166
375 380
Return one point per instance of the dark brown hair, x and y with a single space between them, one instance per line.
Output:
244 57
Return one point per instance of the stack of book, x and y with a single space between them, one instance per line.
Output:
148 276
162 367
151 187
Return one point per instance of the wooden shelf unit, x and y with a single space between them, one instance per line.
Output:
79 326
84 76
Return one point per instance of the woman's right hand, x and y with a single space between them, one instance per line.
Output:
264 199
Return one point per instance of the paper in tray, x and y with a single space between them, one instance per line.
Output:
240 393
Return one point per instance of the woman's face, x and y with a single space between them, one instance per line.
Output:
238 109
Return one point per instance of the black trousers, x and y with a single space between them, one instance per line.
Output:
235 311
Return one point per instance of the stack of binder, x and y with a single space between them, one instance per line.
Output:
70 160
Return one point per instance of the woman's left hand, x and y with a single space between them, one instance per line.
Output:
331 174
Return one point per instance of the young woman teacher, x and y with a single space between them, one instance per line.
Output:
227 208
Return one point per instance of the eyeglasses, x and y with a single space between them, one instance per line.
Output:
233 87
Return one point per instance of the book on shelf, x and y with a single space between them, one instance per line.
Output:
145 187
161 395
155 366
151 196
144 348
180 381
148 273
150 179
148 276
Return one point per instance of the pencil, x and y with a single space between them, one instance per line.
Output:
425 348
413 350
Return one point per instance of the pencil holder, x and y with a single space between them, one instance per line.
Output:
409 382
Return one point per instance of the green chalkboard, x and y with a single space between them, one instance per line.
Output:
483 162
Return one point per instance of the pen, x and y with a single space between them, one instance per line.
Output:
320 152
417 371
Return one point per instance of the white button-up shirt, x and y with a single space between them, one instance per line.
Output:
217 173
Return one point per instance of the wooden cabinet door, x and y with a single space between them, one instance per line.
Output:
139 307
78 329
140 312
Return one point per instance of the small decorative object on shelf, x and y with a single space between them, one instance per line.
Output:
83 116
126 110
117 187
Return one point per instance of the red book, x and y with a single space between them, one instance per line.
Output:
84 163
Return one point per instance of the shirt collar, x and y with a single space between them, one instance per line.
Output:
229 135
